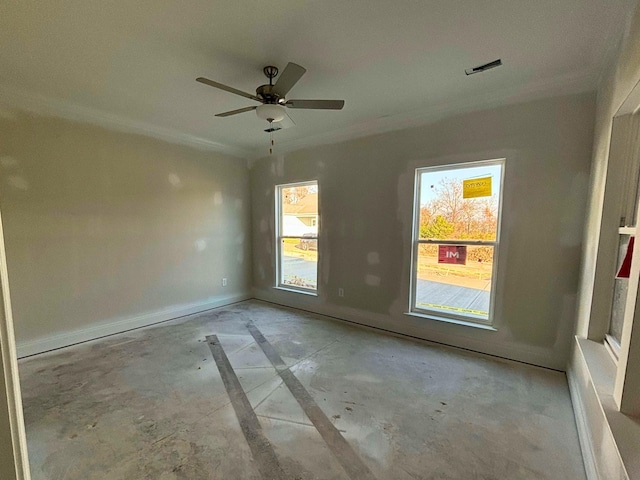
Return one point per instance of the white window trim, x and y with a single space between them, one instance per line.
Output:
610 342
626 358
279 237
613 347
15 451
458 319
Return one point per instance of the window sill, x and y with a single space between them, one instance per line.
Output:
464 323
624 428
295 290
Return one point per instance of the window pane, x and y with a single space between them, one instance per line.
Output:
619 294
446 214
299 220
300 210
300 262
455 279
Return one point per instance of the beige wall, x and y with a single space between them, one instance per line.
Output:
366 201
102 226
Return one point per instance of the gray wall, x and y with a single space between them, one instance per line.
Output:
102 226
366 201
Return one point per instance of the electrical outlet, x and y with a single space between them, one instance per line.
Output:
224 282
341 292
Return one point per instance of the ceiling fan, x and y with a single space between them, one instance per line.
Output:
272 97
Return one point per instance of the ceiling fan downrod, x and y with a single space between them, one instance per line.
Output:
270 72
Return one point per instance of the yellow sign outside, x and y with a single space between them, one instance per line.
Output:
476 187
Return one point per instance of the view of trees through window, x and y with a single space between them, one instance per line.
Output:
457 233
299 220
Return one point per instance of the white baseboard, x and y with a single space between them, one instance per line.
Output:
480 342
582 424
72 337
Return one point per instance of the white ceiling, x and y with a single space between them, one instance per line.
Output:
395 63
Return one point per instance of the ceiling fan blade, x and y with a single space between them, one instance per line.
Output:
316 104
286 122
234 112
226 88
288 78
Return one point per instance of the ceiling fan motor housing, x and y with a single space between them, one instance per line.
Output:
266 93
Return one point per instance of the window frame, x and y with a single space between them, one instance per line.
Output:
279 237
613 343
451 317
623 155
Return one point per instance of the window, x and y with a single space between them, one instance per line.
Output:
455 240
614 314
620 291
625 155
297 225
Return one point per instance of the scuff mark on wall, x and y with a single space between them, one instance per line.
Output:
18 182
372 280
8 162
373 258
174 180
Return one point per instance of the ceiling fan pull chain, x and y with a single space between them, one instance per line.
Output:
271 138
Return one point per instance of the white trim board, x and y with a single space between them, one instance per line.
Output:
582 425
15 451
608 438
93 332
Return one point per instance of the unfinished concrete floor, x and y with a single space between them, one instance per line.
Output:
316 398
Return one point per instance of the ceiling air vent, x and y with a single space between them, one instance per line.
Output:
482 68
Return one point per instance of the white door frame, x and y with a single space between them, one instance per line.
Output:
13 443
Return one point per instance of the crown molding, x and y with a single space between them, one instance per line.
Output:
41 105
574 83
46 106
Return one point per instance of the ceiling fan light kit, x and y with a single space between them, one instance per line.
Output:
271 112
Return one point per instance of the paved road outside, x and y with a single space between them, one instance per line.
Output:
297 266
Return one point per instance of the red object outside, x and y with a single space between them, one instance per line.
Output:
625 268
452 254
